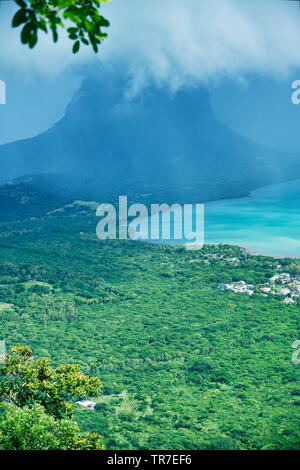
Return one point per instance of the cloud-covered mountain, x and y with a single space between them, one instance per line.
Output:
156 138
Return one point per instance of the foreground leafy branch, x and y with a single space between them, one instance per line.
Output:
30 428
25 380
85 23
35 408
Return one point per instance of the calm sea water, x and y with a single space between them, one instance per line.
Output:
267 222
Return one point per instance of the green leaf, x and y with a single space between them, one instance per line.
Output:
42 25
76 47
33 38
54 34
72 30
26 32
95 47
19 18
23 4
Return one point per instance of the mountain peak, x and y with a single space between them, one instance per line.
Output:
154 137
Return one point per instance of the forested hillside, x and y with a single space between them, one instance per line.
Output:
184 364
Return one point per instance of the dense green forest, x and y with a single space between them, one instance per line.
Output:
184 364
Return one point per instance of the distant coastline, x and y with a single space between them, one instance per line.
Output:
265 223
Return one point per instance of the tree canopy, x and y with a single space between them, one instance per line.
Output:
35 407
31 428
25 380
81 17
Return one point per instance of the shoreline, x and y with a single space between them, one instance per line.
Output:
247 250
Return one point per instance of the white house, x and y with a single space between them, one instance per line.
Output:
87 404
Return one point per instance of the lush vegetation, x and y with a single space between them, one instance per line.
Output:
35 407
184 364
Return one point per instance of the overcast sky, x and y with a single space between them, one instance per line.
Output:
232 43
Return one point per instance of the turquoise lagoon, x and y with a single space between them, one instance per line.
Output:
267 222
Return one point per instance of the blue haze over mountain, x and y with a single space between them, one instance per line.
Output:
156 138
261 109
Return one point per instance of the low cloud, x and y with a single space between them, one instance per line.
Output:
174 42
